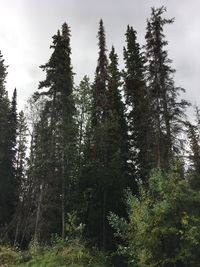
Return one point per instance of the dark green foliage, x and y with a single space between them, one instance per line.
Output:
21 147
101 80
138 112
90 143
55 140
162 229
61 253
194 154
13 124
105 174
83 97
166 110
95 177
8 124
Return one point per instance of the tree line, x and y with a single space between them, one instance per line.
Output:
78 150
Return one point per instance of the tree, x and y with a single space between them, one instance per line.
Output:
138 113
162 229
94 175
58 128
21 146
8 185
166 110
105 174
21 167
83 99
13 122
194 153
101 80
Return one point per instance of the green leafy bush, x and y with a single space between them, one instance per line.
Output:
9 257
163 226
72 255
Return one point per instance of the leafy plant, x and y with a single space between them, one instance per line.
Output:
162 229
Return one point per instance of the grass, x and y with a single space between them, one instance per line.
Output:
59 255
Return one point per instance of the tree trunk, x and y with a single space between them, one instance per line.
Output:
104 222
35 239
63 198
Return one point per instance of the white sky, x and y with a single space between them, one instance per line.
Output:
26 28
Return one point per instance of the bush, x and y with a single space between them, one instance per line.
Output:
66 253
163 226
9 257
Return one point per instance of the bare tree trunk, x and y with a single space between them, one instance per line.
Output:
80 140
63 198
35 239
16 234
104 222
158 136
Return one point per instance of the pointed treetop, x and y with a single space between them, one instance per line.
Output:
113 60
15 93
101 35
156 17
102 65
3 75
66 32
14 98
112 50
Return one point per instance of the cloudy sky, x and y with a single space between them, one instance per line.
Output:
26 28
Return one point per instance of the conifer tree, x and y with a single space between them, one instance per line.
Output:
117 151
8 184
137 101
101 80
194 155
58 116
83 99
21 147
21 177
106 173
116 108
13 124
95 175
167 112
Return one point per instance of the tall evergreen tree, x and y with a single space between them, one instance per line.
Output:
95 176
138 113
8 184
83 101
58 116
194 154
105 176
21 147
17 222
117 151
13 123
166 109
101 80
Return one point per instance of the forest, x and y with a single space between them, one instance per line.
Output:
105 172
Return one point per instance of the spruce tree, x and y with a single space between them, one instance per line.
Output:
101 80
166 110
21 147
59 129
8 184
21 177
194 155
138 113
83 99
13 123
117 149
105 175
94 174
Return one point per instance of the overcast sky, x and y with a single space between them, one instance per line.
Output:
26 28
